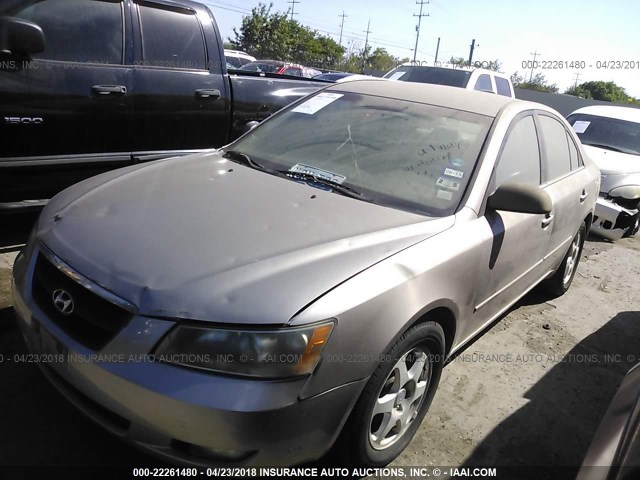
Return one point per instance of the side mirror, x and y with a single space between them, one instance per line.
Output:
20 37
521 198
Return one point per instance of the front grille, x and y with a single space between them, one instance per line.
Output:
94 320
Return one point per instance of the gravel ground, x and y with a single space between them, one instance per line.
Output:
530 392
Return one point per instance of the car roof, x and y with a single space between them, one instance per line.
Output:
621 113
464 69
440 95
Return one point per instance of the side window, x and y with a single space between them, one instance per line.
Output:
556 149
78 30
573 153
520 157
503 87
293 71
484 83
171 39
235 61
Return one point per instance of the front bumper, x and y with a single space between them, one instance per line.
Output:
611 220
182 415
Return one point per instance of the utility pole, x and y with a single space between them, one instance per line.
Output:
366 44
342 25
420 15
575 82
471 48
533 64
293 6
435 62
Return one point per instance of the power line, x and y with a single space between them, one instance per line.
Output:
535 54
420 15
342 26
293 6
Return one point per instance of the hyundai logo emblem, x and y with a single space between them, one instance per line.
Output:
63 302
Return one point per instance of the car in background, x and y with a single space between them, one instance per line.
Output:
611 138
338 253
468 78
280 68
338 77
614 453
237 58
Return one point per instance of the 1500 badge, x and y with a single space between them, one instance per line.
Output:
23 120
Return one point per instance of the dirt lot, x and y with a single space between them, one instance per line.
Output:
530 392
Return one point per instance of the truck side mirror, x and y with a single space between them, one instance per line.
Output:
20 37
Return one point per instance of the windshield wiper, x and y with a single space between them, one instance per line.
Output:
335 186
606 147
243 158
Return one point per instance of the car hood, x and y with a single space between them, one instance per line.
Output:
613 163
203 238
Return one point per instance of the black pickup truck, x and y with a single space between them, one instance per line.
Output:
91 85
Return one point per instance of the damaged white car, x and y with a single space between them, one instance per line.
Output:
611 138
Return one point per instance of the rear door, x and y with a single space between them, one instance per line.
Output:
181 101
566 180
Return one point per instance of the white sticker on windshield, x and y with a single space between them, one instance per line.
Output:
317 103
445 183
580 126
318 172
397 75
445 194
453 173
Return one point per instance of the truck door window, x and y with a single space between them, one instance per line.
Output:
484 83
503 87
171 39
78 30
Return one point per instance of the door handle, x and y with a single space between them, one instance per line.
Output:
210 94
103 90
583 196
546 221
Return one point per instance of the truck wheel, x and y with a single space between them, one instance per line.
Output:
395 399
561 280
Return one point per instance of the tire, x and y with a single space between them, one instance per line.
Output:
561 280
363 441
632 230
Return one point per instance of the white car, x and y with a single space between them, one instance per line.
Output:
238 58
468 78
611 138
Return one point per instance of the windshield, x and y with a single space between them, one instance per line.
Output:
434 75
605 132
396 153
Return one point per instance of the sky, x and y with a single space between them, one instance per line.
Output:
559 31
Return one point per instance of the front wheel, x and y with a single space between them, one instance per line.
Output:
396 398
561 280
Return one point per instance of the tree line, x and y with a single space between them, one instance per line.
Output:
266 34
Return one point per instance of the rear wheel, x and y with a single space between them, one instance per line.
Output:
395 399
561 280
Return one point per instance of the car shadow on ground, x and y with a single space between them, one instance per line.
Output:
39 426
565 407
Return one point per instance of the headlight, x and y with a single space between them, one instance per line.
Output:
278 353
628 192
